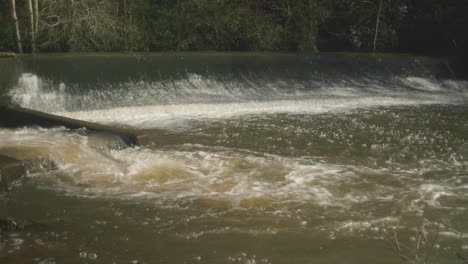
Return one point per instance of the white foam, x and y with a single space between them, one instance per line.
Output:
225 174
190 176
182 174
212 95
30 93
168 115
423 84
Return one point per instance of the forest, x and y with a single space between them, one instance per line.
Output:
429 27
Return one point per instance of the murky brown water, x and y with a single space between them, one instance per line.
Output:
246 170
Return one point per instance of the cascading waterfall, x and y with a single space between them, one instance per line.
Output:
155 103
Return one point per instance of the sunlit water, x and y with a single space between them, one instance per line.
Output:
247 169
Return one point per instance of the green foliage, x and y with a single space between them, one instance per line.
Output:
85 25
6 30
436 26
431 26
350 24
5 35
216 25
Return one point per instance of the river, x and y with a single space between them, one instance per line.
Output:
250 158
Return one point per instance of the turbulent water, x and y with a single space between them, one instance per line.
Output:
285 160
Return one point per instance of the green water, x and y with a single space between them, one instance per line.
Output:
252 165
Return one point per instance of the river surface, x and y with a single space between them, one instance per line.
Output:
249 158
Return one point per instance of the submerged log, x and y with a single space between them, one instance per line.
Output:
16 117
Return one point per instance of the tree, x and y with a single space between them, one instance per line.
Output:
299 20
432 26
377 26
17 30
32 27
80 25
36 16
358 24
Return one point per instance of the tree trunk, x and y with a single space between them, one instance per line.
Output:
130 30
36 16
125 24
377 22
31 18
15 20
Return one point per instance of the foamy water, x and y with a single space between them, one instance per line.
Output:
198 172
304 160
165 104
86 166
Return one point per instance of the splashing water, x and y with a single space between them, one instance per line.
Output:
246 162
160 104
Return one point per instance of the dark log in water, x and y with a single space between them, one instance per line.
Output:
15 117
10 170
